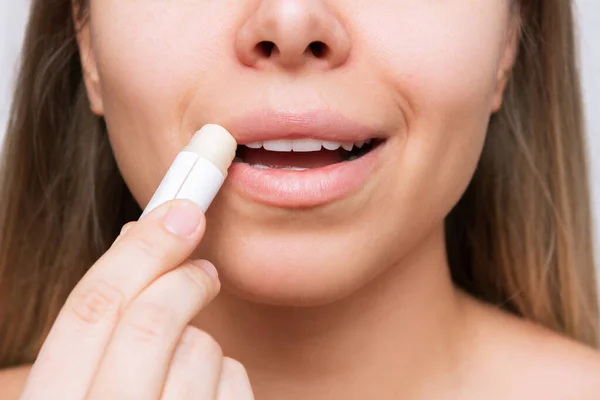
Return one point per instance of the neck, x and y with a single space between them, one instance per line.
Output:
398 332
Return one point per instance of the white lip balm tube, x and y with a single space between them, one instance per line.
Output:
199 170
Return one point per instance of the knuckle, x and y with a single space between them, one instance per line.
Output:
199 278
148 322
124 230
126 227
196 343
145 247
95 303
235 369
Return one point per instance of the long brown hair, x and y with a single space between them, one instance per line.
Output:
520 238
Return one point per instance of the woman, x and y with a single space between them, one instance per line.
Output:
428 239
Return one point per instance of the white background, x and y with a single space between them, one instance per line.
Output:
13 15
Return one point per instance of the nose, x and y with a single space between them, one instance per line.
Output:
292 34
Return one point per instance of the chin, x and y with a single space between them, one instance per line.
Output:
293 269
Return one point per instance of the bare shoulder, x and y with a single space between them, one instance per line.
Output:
531 362
12 382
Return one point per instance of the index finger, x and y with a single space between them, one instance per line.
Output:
76 343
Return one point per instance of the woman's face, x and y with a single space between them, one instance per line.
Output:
421 76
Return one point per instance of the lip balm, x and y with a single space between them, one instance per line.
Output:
199 170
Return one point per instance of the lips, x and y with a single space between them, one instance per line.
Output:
301 160
321 125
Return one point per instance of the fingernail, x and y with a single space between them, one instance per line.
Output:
208 268
183 218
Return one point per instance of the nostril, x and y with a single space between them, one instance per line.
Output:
318 49
265 48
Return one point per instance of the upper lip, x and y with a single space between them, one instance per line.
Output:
320 125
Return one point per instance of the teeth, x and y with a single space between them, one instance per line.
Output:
295 168
305 145
261 166
278 145
255 145
331 145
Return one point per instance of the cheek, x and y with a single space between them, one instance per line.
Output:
150 56
439 58
154 50
441 52
442 59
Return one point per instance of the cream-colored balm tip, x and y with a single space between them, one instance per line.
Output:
214 143
198 172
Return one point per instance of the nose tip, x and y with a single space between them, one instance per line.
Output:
291 34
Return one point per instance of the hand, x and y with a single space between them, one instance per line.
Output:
123 332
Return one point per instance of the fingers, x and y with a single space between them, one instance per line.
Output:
199 371
234 383
151 247
137 359
124 230
195 368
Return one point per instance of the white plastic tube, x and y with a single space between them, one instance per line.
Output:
199 170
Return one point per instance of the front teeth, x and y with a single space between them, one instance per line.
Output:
305 145
301 145
278 145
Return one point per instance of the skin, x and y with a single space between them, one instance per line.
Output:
307 317
431 91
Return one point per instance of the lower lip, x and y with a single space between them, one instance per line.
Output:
308 188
